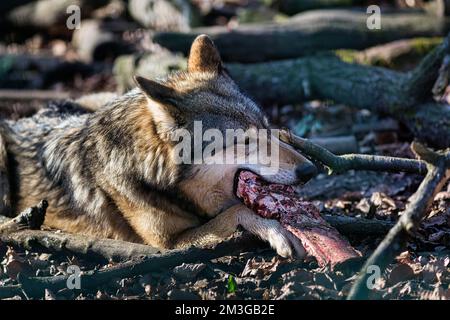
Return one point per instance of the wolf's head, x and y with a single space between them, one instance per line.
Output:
205 103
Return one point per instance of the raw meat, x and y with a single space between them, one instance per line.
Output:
301 218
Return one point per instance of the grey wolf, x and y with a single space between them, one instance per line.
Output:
108 171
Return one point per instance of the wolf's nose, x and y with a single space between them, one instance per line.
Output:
305 171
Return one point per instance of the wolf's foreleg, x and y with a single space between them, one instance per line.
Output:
5 196
226 223
215 230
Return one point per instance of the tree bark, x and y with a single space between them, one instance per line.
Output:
307 33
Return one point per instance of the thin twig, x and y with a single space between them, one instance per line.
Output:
394 242
338 164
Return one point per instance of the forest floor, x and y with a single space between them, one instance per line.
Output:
420 272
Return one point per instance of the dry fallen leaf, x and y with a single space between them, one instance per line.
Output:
254 268
188 271
401 272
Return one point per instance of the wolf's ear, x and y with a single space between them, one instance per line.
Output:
166 111
204 56
155 90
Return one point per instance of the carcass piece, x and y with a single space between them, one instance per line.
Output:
301 218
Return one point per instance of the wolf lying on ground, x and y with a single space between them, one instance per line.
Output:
111 173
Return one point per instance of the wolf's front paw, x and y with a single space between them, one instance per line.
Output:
284 243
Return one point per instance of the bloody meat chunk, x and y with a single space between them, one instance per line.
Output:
301 218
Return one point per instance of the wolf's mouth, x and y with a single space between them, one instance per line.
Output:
237 179
244 177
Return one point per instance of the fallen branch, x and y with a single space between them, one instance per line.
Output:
22 231
338 164
35 286
307 33
117 250
99 249
379 126
438 165
12 233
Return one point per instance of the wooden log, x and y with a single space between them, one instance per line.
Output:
351 226
38 71
31 218
35 286
388 124
307 33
